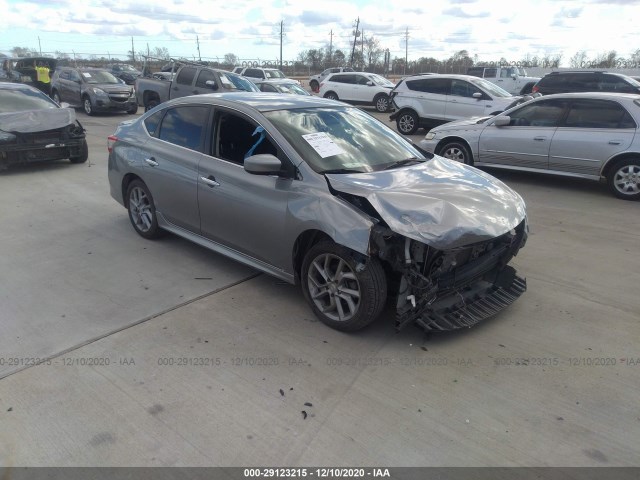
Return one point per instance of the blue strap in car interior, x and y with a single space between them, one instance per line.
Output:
262 133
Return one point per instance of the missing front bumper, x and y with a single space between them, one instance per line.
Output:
464 309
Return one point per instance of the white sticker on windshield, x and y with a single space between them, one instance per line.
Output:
86 75
322 144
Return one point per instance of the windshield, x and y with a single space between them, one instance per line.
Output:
378 80
98 76
21 100
342 138
128 68
274 74
241 83
490 88
291 88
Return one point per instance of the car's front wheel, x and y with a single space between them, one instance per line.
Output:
142 210
456 151
151 104
345 292
624 179
88 106
133 110
407 123
381 103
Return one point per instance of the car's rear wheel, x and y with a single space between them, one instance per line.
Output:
381 102
88 106
84 153
142 210
456 151
407 123
624 179
151 104
344 292
331 96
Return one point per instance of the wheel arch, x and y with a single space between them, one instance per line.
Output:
301 246
126 181
608 166
454 138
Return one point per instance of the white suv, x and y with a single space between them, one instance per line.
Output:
358 88
257 73
314 80
430 100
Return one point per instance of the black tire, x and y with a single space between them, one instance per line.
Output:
314 85
331 96
381 102
133 110
624 179
142 210
407 122
87 106
55 96
151 104
354 293
457 151
84 153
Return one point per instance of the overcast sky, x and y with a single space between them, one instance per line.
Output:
250 28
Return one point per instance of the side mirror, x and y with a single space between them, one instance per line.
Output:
514 76
263 164
370 83
502 120
477 95
211 84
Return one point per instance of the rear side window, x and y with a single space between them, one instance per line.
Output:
439 86
186 76
343 79
613 83
184 126
598 114
546 113
152 122
476 71
254 72
490 72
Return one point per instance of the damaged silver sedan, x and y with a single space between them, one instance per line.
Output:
324 195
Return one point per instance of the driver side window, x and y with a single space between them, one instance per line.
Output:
235 138
541 114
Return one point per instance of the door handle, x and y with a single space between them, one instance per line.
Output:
615 142
151 162
210 180
540 139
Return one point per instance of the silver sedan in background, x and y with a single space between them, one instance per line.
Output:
587 135
322 194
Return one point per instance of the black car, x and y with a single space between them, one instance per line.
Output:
585 81
124 71
34 128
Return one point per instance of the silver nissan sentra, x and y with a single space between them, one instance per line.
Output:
320 193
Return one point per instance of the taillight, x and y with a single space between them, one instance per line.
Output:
111 140
535 89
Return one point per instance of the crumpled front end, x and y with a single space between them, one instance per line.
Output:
453 288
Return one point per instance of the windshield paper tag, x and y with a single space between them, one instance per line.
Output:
322 144
86 75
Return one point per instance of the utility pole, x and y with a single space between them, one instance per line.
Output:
198 42
362 50
281 34
355 39
406 50
133 52
39 46
330 46
148 49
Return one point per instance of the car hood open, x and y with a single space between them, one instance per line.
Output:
31 121
442 203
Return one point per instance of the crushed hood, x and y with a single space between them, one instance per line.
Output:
442 203
31 121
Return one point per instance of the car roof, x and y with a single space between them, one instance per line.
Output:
593 95
263 102
17 86
444 75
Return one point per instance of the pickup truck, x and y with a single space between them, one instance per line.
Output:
512 79
189 80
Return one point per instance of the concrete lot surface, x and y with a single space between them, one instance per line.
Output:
160 353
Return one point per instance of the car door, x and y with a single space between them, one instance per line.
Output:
62 86
362 91
428 96
462 104
593 131
205 75
240 210
183 82
525 142
171 163
344 85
